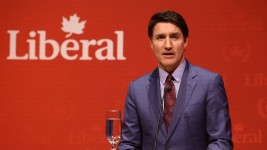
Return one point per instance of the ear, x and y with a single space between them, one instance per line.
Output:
151 45
185 42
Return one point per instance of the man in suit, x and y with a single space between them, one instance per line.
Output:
178 106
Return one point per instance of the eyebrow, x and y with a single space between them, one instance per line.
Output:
160 34
174 33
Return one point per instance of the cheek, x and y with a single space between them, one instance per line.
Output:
156 53
155 49
180 47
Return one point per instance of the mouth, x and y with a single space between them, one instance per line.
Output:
167 53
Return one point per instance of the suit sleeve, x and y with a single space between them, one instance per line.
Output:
131 134
218 119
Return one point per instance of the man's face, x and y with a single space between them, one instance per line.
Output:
168 44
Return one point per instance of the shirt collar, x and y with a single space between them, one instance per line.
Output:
177 73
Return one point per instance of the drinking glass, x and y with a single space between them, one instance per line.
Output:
113 127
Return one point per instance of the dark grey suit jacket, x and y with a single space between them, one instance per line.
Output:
200 119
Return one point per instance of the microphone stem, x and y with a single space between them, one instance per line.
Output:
168 89
157 129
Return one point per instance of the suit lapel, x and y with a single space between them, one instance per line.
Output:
186 89
153 89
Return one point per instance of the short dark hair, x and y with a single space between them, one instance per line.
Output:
168 16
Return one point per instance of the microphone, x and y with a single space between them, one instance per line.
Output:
168 89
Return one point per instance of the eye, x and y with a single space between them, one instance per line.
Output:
160 37
175 36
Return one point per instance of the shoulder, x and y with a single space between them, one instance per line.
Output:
144 79
202 72
203 75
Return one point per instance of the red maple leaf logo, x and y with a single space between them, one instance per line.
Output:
238 127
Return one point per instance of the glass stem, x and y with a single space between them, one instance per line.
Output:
113 147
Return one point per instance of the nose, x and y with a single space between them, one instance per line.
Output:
168 44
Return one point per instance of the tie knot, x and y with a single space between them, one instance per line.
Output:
169 78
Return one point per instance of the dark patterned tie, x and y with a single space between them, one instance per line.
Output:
169 100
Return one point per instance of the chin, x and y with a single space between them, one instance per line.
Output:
169 63
165 66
